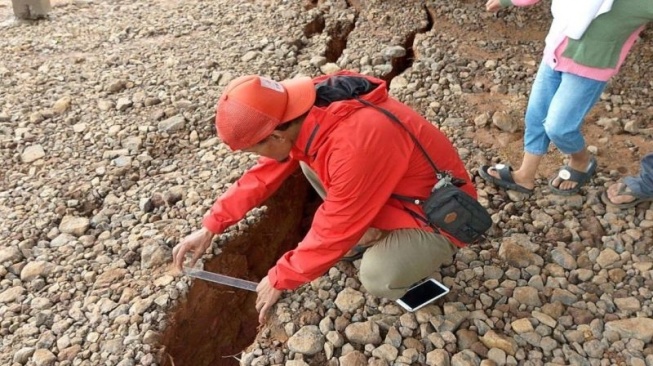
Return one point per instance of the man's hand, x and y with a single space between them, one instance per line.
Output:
492 6
267 296
197 242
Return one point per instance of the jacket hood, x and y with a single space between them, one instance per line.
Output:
336 100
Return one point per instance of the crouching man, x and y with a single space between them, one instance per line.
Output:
337 129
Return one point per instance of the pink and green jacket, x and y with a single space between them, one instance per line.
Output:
601 50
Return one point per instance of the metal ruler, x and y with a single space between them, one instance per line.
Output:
220 279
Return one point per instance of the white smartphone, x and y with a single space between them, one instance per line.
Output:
422 294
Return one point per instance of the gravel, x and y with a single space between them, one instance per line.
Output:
109 159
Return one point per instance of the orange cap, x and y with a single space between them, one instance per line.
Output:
251 107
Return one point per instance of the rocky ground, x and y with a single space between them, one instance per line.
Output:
109 158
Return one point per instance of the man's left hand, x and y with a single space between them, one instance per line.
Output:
267 296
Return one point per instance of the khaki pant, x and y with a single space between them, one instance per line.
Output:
400 258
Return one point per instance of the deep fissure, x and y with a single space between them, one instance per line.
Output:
215 323
400 64
338 39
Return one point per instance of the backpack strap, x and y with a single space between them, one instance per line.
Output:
439 174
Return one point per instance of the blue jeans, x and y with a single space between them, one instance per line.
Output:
643 184
556 108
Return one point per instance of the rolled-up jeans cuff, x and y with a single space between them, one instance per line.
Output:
537 153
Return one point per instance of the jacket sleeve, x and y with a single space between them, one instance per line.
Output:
360 184
507 3
252 189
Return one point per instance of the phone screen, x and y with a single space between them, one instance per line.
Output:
423 293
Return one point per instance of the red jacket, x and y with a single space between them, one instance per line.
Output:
361 157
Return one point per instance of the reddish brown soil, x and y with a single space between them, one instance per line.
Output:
216 322
622 152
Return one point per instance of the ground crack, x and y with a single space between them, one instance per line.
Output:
400 64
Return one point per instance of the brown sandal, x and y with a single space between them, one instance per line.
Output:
624 190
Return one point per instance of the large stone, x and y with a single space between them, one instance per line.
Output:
109 277
74 225
363 333
105 105
69 353
505 122
308 340
296 363
581 316
573 201
124 104
132 143
595 348
43 357
449 322
140 305
522 325
11 294
564 296
32 153
80 127
398 83
61 240
533 338
22 355
36 117
545 319
349 300
10 254
607 258
61 105
563 258
465 358
151 337
498 356
628 304
112 154
386 352
438 357
466 338
35 269
154 254
329 68
31 9
117 86
612 125
172 124
517 255
353 358
527 295
394 52
492 339
639 328
594 227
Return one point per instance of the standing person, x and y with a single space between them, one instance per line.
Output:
356 158
633 190
587 43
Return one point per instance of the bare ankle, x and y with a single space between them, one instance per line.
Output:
523 179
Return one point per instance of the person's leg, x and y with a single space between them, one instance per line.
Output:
574 99
402 258
536 141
